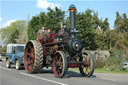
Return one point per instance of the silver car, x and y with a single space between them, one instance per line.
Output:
125 65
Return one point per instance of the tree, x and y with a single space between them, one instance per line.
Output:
125 23
54 18
33 27
51 20
118 22
105 25
96 21
86 29
14 32
121 25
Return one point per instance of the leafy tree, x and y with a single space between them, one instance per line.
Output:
96 21
51 20
12 33
121 30
105 25
33 27
101 41
125 23
54 18
126 39
118 22
86 29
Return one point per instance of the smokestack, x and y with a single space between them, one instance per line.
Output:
72 10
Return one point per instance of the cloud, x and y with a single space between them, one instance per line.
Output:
8 23
44 4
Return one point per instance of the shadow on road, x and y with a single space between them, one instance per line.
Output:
14 67
69 74
44 71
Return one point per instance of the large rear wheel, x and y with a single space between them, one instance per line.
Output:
33 56
59 64
88 66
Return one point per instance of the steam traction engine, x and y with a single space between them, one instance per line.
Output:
60 50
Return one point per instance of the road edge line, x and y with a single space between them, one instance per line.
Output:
109 79
43 79
5 68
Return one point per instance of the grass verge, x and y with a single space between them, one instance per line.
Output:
3 57
103 70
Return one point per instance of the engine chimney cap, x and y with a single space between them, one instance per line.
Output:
72 6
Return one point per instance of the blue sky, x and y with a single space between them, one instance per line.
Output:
12 10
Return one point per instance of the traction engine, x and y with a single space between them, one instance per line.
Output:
60 50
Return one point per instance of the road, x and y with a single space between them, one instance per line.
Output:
45 77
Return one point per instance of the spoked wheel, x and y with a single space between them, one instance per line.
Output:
59 64
8 64
87 68
18 65
33 56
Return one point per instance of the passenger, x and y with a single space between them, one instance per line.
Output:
49 31
40 33
13 49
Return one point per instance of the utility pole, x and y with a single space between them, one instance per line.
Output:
26 31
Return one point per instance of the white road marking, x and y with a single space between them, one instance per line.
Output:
5 68
43 79
109 79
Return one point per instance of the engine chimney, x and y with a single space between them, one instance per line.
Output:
72 10
73 30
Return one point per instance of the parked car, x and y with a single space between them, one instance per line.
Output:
125 65
15 55
0 57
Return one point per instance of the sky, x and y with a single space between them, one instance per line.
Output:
13 10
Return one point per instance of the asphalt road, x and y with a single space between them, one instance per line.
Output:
45 77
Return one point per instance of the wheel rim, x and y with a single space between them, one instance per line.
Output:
58 65
29 57
88 65
17 64
7 63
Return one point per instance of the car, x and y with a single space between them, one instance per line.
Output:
125 65
0 57
15 55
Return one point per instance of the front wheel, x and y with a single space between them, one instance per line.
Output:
59 64
88 66
8 64
18 65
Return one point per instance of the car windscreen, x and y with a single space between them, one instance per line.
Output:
20 49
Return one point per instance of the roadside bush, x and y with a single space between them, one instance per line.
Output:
126 54
115 61
99 63
3 51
